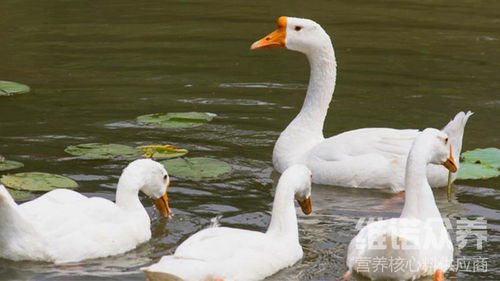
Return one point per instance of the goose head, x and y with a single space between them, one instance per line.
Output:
299 179
440 149
153 180
297 34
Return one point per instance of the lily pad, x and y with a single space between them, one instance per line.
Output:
197 167
102 150
10 165
486 156
19 194
8 88
176 119
471 171
36 181
164 151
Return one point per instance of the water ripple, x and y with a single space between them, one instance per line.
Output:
269 85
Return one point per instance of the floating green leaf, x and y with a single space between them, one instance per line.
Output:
480 163
8 88
164 151
102 150
176 119
36 181
10 165
19 194
486 156
197 167
471 171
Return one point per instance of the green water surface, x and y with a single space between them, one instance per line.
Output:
94 66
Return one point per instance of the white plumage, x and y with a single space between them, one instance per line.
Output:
64 226
417 244
370 157
230 254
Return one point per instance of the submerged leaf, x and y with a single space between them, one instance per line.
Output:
164 151
19 194
176 119
197 167
8 88
36 181
10 165
486 156
471 171
102 150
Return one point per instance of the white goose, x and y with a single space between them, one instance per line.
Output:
417 244
231 254
64 226
370 157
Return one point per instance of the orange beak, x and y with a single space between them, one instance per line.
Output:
450 163
306 205
275 39
162 203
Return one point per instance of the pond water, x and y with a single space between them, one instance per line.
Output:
95 65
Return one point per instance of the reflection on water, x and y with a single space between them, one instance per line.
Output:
95 67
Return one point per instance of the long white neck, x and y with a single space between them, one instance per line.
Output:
319 92
284 218
127 192
306 130
419 199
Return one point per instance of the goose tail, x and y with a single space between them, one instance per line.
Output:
6 200
11 219
20 239
455 131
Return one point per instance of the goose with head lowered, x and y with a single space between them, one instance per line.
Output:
232 254
369 157
417 243
64 226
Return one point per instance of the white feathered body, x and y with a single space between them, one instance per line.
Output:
228 254
366 158
417 243
231 254
401 249
64 226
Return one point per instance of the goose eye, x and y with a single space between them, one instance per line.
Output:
446 141
165 177
298 28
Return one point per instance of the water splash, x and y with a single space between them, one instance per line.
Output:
215 221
